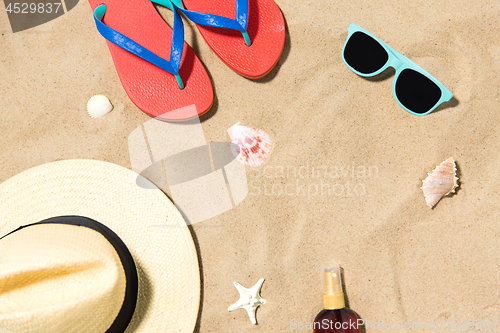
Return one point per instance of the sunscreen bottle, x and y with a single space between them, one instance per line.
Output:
335 318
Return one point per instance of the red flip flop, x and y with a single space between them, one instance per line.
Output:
248 35
140 43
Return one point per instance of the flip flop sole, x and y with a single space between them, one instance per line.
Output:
150 88
266 28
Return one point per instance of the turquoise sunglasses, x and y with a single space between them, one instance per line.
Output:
416 91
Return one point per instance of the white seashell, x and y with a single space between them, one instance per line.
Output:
98 106
253 144
440 182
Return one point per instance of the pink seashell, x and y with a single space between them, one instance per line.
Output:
253 144
440 182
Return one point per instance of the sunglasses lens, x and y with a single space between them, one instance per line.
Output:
364 54
416 91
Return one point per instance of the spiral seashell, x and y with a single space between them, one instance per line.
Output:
440 182
253 144
98 106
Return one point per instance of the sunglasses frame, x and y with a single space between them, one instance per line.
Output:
399 62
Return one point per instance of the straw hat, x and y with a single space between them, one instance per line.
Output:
37 296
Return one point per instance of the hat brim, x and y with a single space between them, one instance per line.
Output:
144 218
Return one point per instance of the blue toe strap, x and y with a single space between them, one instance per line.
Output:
240 22
128 44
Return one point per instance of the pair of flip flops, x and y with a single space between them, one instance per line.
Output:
248 35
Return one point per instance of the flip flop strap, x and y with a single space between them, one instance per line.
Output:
128 44
239 23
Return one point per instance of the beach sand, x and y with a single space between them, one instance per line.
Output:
402 261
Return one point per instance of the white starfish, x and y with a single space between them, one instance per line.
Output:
249 299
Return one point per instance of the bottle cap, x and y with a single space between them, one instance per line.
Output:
333 297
